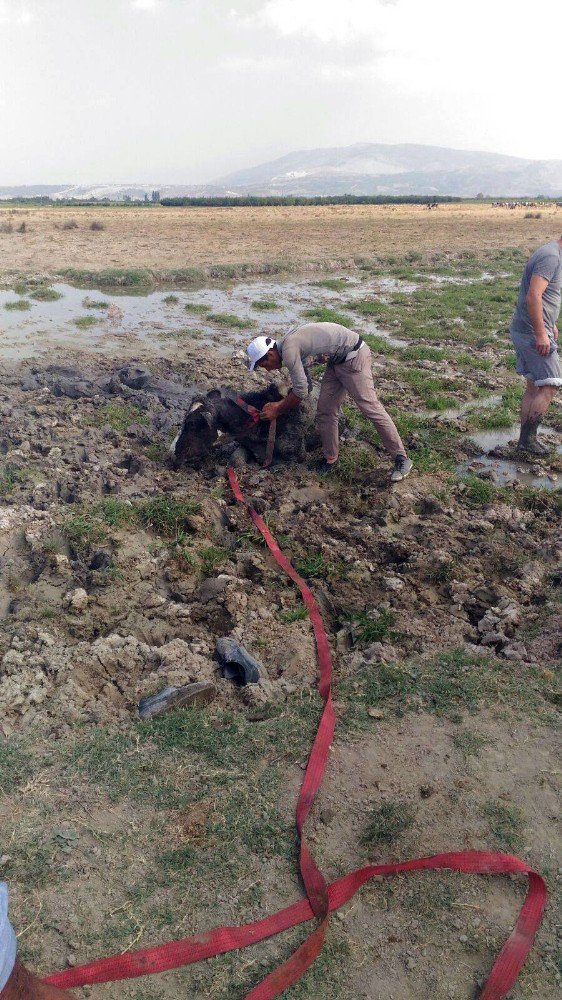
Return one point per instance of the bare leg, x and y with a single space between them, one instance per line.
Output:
534 405
22 985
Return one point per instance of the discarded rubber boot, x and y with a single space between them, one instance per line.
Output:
196 695
237 664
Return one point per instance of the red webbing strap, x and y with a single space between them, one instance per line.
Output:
322 899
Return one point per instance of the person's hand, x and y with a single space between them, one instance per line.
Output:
555 332
543 345
269 411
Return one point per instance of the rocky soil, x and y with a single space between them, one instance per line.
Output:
119 574
99 606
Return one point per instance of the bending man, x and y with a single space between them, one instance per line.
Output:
348 371
535 335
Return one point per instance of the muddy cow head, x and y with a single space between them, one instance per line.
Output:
197 435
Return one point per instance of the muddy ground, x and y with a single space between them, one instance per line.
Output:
442 599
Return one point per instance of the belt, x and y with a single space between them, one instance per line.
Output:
355 350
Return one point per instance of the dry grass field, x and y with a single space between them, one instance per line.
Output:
160 238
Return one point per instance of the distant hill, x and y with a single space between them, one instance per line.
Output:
374 168
364 168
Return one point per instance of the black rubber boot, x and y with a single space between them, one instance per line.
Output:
528 440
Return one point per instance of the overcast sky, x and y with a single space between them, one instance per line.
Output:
181 91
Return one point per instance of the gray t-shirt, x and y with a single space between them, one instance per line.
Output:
327 340
546 262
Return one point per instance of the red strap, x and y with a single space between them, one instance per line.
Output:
252 412
321 899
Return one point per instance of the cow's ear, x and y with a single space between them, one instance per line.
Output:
214 394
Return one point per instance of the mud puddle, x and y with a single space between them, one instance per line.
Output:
455 413
506 473
219 316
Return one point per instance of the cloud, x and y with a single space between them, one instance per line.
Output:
15 12
255 64
146 4
325 20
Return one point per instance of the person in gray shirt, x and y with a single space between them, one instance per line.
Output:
348 371
535 337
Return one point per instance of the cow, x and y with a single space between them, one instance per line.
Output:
218 414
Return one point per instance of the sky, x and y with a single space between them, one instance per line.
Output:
183 91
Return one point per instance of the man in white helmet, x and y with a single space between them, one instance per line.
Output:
348 372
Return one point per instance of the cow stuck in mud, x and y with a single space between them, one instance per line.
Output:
219 413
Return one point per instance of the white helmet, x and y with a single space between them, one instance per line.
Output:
258 349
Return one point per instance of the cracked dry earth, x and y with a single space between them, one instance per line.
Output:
100 605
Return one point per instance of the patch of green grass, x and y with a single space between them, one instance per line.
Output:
16 765
473 313
378 344
502 416
229 319
471 361
171 299
446 685
82 531
45 294
110 277
423 353
468 743
10 476
89 303
197 307
477 492
166 515
157 451
265 304
332 284
21 305
354 463
298 614
373 308
428 387
187 276
212 557
371 626
506 824
85 322
120 416
323 315
313 566
115 512
387 821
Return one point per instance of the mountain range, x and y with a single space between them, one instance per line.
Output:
363 168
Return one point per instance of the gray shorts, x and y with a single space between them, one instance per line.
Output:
532 365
